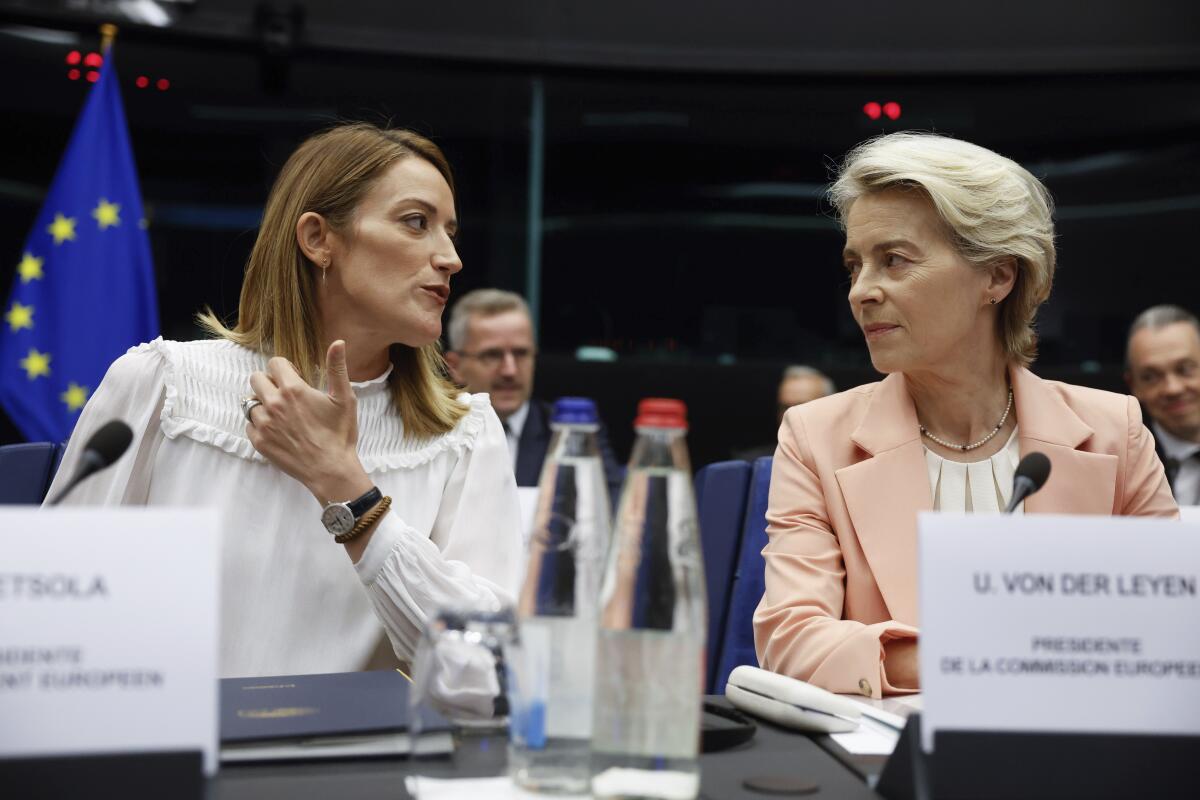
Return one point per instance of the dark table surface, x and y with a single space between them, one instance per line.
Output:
772 751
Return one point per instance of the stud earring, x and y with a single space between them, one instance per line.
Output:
992 300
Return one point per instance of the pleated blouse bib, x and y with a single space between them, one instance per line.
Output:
976 487
291 600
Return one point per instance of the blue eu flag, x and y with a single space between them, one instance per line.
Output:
84 289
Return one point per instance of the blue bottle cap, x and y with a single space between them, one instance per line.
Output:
574 410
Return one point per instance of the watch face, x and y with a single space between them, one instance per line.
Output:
337 518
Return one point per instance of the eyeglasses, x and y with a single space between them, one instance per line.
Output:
494 356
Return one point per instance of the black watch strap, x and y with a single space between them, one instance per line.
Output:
364 502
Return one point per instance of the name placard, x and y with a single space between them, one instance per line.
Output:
1059 624
108 631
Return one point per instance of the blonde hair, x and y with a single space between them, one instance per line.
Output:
329 174
992 208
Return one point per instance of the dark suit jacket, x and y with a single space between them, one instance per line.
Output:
1170 465
535 440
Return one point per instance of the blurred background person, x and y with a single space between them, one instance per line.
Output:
798 385
949 252
322 406
801 384
1163 371
492 350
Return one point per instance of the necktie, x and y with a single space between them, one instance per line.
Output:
1173 467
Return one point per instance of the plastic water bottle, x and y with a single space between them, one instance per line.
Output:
650 645
551 669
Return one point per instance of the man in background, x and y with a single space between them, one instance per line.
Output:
1162 368
799 385
492 350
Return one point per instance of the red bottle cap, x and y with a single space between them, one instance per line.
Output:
659 412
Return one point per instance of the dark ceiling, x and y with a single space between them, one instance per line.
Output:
881 37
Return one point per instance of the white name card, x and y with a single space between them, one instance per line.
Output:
108 631
1059 624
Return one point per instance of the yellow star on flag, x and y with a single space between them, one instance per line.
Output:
30 267
62 229
36 363
75 396
107 214
19 316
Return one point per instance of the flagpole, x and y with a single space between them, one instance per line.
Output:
108 32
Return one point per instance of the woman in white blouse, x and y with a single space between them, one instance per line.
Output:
330 385
949 252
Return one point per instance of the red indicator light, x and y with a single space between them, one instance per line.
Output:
93 76
891 110
73 74
163 84
74 57
94 60
142 81
872 110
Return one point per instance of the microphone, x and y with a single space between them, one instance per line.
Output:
1030 476
105 447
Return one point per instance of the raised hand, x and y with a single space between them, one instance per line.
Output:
309 434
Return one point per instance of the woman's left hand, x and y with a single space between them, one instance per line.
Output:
309 434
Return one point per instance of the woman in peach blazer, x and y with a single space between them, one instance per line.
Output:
950 251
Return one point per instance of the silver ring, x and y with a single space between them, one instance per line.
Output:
248 404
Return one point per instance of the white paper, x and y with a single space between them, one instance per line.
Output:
108 631
1057 623
880 726
870 738
891 711
501 788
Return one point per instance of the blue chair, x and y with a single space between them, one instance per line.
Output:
721 502
737 645
59 450
26 470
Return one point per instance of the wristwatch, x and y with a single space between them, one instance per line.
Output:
339 518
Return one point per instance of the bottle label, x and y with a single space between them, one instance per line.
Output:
648 690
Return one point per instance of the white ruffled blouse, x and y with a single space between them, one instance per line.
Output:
291 600
977 487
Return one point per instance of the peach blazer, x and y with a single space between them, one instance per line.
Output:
848 480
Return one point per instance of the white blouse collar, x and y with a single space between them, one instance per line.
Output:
379 380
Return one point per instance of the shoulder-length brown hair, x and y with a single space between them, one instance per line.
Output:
329 174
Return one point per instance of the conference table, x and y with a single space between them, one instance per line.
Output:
773 751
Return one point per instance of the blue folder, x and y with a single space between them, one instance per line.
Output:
349 714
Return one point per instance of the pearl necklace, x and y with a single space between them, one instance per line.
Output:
965 447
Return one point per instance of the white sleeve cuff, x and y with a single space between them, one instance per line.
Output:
387 535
